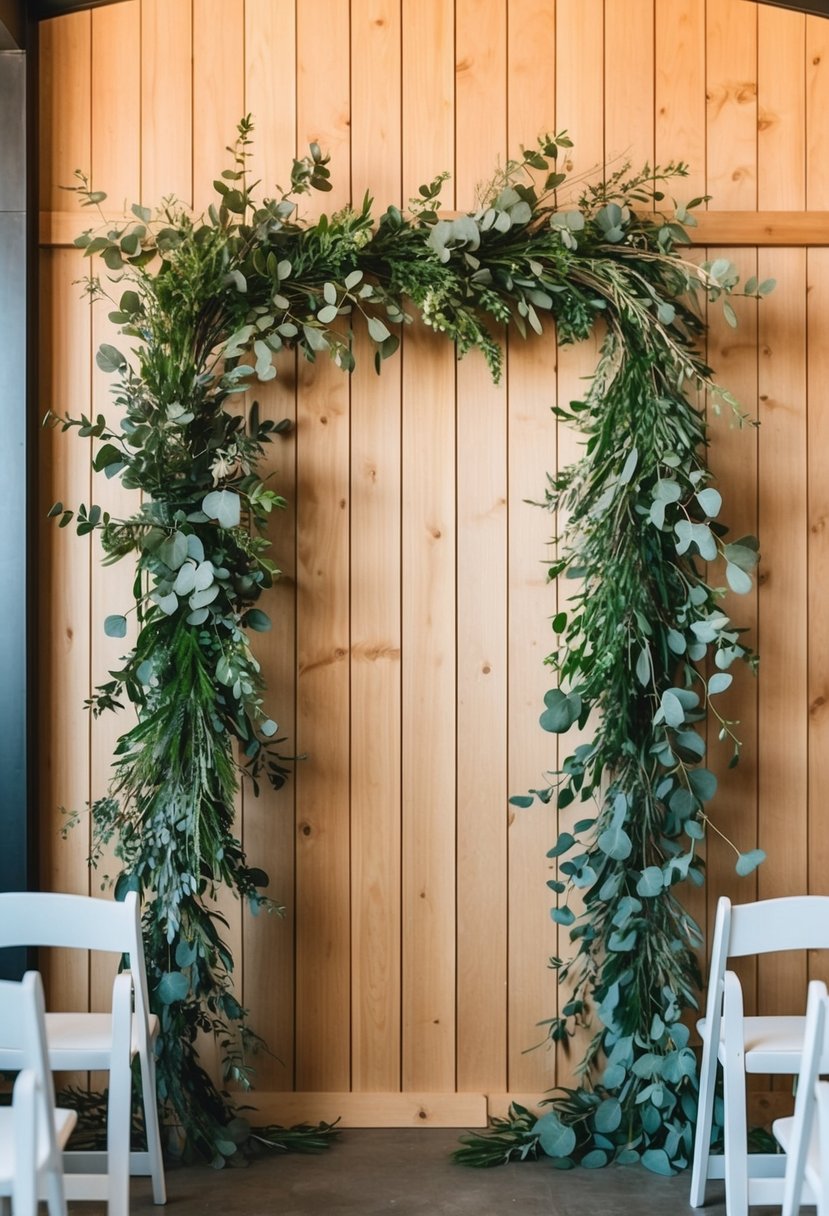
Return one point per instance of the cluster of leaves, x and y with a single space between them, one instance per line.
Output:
208 304
643 654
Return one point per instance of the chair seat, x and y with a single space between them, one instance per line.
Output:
783 1131
65 1121
772 1044
79 1040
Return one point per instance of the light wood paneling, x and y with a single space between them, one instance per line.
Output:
531 443
375 590
323 954
413 615
481 479
166 131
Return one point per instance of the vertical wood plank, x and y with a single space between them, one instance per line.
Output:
731 72
270 89
480 134
818 572
375 588
269 838
532 991
783 506
115 163
64 473
733 355
218 56
817 113
629 84
323 961
580 56
781 115
428 595
166 101
64 108
680 89
783 727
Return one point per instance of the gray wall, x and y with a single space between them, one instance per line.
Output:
15 384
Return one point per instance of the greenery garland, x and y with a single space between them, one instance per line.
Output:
210 302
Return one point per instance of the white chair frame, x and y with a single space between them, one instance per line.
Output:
805 1135
97 1041
742 1045
32 1132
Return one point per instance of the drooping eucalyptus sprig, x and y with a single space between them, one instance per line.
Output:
208 304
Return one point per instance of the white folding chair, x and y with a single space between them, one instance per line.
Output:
805 1135
97 1041
32 1132
748 1045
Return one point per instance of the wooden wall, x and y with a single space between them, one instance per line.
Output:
409 976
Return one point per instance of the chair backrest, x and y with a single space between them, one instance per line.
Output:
23 1029
796 922
44 918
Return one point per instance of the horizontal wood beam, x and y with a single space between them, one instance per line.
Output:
764 228
369 1109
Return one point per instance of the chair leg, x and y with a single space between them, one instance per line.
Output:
55 1198
5 1205
153 1131
119 1110
735 1136
705 1118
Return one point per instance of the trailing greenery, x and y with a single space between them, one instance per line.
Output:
208 303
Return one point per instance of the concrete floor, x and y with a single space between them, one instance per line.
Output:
409 1173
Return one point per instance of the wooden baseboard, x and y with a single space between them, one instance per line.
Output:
369 1109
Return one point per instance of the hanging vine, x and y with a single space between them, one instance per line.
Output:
209 303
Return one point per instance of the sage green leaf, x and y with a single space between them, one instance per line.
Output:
676 642
562 711
565 841
258 620
719 682
703 783
115 626
173 551
185 579
198 617
737 579
656 1160
327 314
173 986
223 506
629 467
672 708
594 1160
522 800
748 862
203 576
555 1137
167 603
614 842
200 599
643 666
268 727
711 501
650 883
608 1115
667 490
378 331
563 916
109 359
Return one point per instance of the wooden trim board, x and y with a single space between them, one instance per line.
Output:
370 1109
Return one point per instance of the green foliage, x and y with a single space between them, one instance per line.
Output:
207 304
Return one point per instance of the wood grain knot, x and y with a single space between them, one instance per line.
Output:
422 1114
306 829
817 704
819 524
324 420
816 61
486 669
435 533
